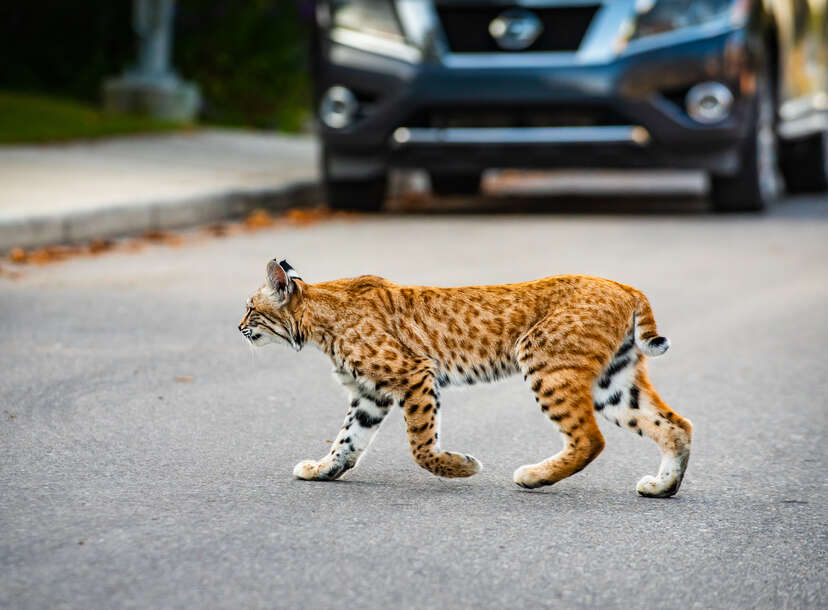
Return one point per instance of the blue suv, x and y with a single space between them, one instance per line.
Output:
737 88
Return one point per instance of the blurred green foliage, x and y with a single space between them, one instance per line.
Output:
33 118
248 56
64 48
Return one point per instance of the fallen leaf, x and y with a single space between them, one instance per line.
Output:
258 219
17 255
51 254
155 235
100 245
309 216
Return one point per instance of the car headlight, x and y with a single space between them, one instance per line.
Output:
659 16
373 17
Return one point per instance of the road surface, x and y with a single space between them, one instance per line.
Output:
146 453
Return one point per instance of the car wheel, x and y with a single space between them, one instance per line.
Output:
363 194
455 183
757 182
805 164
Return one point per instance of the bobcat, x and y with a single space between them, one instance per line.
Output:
580 343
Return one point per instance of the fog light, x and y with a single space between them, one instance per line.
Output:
338 107
640 136
709 102
401 135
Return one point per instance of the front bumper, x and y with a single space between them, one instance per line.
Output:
640 93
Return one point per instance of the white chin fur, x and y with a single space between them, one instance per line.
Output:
265 339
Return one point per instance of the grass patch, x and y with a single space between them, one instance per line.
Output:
34 118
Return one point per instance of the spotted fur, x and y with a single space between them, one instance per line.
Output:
580 343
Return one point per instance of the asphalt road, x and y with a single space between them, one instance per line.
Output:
122 487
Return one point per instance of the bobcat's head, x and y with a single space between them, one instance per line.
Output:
271 311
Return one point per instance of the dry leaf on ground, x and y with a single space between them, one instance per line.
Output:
258 219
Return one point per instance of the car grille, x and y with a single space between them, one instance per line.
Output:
467 27
517 116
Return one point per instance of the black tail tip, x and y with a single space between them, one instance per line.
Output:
658 342
657 346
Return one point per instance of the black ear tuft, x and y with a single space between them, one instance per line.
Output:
290 272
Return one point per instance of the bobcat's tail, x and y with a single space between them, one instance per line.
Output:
646 337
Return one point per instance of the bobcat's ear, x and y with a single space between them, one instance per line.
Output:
280 276
277 279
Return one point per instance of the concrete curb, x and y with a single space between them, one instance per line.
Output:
154 215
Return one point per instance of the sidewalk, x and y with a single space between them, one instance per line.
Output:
68 192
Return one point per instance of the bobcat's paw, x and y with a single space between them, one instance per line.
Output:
528 477
323 470
307 470
455 465
655 487
471 466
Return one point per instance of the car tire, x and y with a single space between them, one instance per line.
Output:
362 194
757 182
455 183
804 164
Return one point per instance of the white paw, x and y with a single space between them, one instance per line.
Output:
647 486
655 487
476 465
525 477
306 469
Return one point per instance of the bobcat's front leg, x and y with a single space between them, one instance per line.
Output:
365 414
421 407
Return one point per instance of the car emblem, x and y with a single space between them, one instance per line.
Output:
515 29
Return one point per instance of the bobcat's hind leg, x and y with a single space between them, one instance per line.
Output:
672 433
571 410
561 376
421 408
625 397
365 414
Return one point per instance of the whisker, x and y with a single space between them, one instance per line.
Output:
251 348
